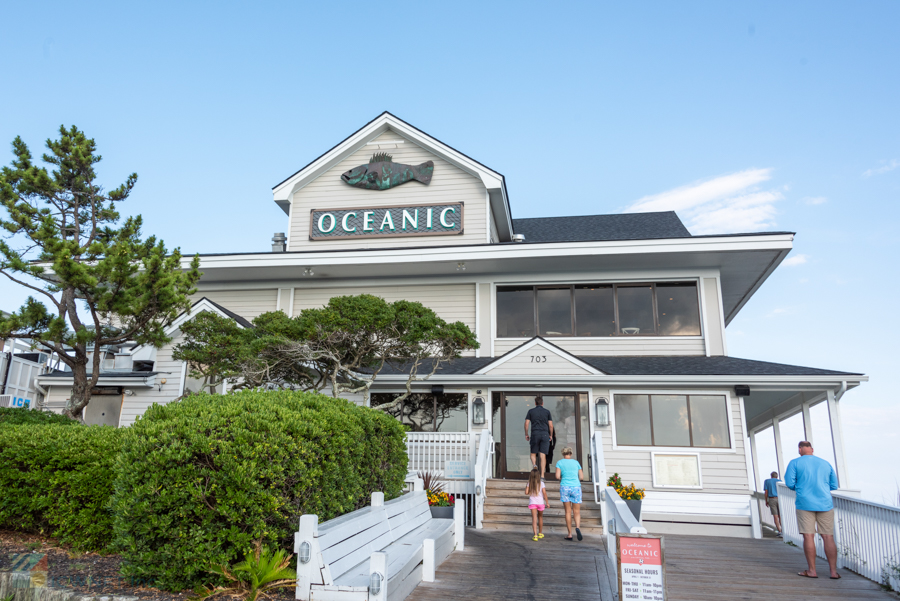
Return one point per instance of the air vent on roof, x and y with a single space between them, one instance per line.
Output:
279 242
518 237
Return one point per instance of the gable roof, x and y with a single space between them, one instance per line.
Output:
527 346
204 304
492 180
584 228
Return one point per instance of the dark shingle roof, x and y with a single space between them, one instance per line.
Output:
626 226
651 366
242 321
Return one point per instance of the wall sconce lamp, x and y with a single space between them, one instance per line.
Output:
478 411
161 384
375 583
602 407
461 266
437 389
309 271
304 555
740 390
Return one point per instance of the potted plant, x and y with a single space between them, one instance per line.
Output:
631 494
440 502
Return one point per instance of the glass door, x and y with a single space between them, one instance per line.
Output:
514 459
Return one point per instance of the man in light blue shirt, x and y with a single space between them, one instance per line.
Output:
813 479
771 488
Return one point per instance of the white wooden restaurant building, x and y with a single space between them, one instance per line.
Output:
616 321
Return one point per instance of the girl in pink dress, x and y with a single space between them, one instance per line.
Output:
537 502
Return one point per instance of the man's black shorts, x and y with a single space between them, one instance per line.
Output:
540 442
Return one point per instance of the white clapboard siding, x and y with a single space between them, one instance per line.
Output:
721 472
246 303
449 184
618 345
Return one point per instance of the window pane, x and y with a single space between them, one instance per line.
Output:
670 420
678 308
632 419
452 413
515 312
555 311
709 421
594 311
636 310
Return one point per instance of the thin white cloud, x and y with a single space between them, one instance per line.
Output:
884 168
795 260
815 200
722 205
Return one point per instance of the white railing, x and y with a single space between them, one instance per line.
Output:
617 518
430 451
765 515
867 535
482 469
598 465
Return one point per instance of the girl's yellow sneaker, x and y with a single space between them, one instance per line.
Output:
541 535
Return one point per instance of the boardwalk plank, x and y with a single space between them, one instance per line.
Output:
500 565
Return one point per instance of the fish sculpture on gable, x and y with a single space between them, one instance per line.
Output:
382 173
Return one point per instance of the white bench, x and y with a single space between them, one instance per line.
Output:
393 545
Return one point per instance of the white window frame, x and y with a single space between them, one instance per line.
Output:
674 450
656 484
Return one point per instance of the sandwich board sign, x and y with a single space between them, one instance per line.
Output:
641 567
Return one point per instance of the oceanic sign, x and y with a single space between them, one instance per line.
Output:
382 173
409 220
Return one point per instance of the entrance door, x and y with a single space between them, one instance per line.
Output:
514 451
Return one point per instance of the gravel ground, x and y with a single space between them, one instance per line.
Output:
88 573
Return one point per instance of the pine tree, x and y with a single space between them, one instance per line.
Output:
100 282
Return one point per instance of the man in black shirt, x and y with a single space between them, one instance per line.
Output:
539 421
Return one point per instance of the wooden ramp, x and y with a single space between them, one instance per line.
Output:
506 565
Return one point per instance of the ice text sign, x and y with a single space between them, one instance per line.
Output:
641 567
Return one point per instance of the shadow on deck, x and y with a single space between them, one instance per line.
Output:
504 565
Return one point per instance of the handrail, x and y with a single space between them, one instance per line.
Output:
598 464
482 469
867 535
620 519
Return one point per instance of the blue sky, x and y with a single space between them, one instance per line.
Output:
742 116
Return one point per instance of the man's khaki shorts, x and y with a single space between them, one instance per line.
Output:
772 502
809 521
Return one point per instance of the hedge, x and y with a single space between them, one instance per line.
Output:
197 481
20 416
58 479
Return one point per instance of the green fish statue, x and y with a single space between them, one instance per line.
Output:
382 173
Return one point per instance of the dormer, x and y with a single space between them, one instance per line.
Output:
389 185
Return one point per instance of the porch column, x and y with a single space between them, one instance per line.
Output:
754 461
807 423
779 454
837 437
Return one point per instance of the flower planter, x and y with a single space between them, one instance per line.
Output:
442 512
634 505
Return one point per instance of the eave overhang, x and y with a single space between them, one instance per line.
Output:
743 262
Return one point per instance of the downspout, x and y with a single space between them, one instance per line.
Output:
40 406
841 391
9 358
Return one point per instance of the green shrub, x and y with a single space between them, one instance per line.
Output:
13 417
198 481
57 479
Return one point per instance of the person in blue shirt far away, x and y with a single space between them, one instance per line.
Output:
813 479
570 474
771 488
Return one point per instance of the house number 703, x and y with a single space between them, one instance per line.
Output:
539 358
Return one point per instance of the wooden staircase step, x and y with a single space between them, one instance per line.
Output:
556 509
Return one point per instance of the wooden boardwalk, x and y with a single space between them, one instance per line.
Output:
505 565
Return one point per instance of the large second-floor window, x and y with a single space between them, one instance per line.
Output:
660 309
